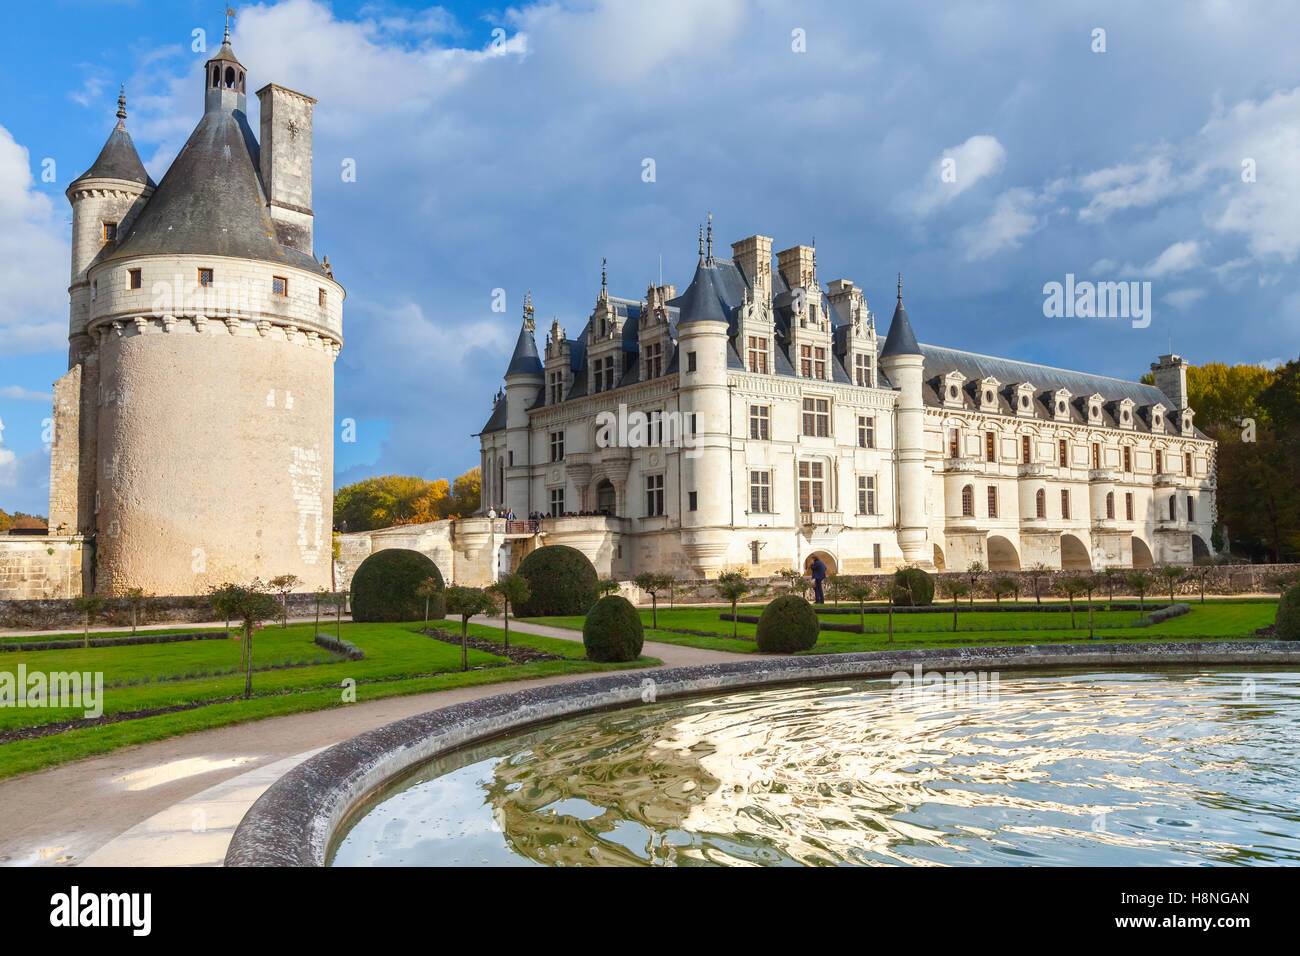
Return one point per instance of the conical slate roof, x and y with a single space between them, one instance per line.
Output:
901 340
702 301
211 201
525 361
118 160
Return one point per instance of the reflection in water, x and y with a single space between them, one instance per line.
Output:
1116 769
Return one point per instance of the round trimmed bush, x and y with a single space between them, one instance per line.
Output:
787 625
561 581
1287 626
916 588
384 586
612 631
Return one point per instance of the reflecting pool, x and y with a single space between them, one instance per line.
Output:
1179 767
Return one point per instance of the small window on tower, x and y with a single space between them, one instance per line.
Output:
110 232
279 285
322 298
136 279
205 277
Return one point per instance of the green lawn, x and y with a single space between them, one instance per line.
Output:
1220 619
153 676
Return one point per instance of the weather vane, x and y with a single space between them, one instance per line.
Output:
229 13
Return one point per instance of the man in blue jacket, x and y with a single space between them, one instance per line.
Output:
818 569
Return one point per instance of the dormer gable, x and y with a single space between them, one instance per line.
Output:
1059 403
1123 413
1092 408
985 393
951 386
1022 399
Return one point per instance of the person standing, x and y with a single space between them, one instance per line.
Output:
818 569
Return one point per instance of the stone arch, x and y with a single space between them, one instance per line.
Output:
1142 554
939 563
1074 554
1200 550
832 566
606 496
1002 554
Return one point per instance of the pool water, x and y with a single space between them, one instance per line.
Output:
1170 768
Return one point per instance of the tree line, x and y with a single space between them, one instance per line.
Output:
388 500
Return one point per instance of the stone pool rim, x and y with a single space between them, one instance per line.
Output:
295 821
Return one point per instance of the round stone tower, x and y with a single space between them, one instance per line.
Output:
902 360
205 449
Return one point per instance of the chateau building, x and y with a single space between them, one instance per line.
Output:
193 430
758 419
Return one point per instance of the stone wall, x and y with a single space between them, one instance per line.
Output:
38 567
52 613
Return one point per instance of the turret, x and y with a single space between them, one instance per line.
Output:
524 379
224 81
902 361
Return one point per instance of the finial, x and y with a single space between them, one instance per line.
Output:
900 288
701 242
529 324
710 239
604 286
121 103
229 13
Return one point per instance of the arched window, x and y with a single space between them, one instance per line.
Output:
1110 504
968 502
1173 507
1040 503
216 77
230 77
501 481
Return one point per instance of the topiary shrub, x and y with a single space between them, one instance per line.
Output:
384 587
612 631
561 581
1287 625
913 588
787 625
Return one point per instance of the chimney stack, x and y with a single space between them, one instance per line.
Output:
286 164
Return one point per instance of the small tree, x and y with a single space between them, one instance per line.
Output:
321 595
606 586
428 589
890 592
465 603
513 589
1003 587
956 589
282 585
974 571
89 606
1073 587
652 582
793 577
1091 583
1172 576
859 591
1140 582
340 602
732 586
837 582
1037 571
135 599
251 606
1112 576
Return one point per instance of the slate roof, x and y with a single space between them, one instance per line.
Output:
117 160
901 340
211 201
703 299
525 360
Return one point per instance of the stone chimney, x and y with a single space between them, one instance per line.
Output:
286 164
1171 378
798 266
753 257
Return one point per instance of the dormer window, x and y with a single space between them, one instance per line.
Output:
1061 405
1024 400
756 354
988 394
654 360
1094 409
110 232
951 389
1187 422
862 370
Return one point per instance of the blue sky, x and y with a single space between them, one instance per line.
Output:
514 160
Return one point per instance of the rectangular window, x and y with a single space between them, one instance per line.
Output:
875 555
1187 464
866 494
693 422
654 495
654 360
1024 449
866 431
279 285
1128 506
805 361
1160 462
954 444
1191 508
811 486
656 428
1096 456
1065 503
1110 504
692 500
862 370
754 548
321 299
759 422
609 372
1128 458
557 502
758 354
557 446
760 492
205 277
990 445
557 387
819 363
993 501
135 279
110 232
690 361
1061 454
94 290
817 417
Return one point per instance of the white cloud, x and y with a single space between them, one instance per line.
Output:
1184 299
1129 185
1179 257
1013 218
957 170
33 259
19 394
